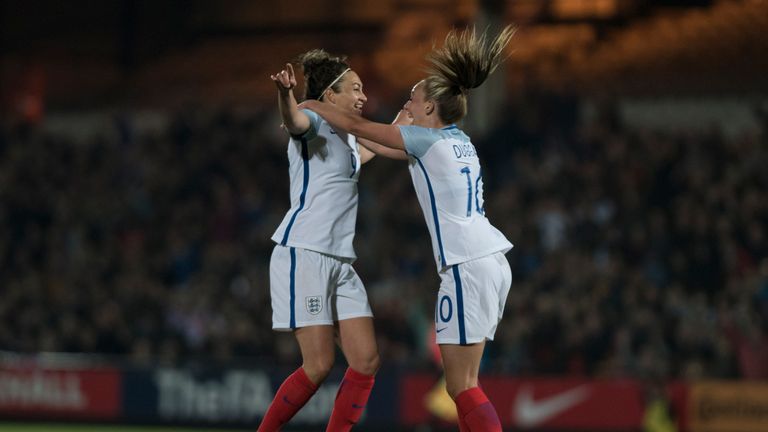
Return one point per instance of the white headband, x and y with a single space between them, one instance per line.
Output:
332 83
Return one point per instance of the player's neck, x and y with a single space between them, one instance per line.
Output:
431 122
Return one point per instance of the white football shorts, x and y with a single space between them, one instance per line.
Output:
471 300
311 288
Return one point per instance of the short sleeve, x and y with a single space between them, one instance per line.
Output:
418 139
314 125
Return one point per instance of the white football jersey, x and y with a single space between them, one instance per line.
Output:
324 167
449 185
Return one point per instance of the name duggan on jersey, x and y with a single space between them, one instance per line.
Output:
464 150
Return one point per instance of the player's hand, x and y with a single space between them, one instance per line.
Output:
285 80
402 118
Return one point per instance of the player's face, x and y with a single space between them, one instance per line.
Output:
416 106
351 96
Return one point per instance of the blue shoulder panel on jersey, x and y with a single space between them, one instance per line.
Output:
418 139
434 213
303 196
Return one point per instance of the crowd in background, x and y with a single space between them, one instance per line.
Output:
637 252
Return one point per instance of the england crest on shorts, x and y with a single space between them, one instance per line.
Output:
314 304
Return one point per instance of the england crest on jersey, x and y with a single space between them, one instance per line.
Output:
314 304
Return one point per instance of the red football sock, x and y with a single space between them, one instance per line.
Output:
295 391
350 401
477 412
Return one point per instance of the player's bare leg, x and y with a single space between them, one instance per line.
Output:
358 342
462 366
317 351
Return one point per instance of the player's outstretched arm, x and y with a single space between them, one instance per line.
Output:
371 149
295 121
387 135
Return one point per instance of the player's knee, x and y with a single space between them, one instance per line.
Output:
318 367
367 365
454 389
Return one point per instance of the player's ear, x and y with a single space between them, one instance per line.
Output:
429 107
330 96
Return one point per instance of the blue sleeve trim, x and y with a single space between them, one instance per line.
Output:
314 126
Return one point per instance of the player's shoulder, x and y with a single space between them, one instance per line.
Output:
423 133
453 132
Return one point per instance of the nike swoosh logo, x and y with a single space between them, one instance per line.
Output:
533 413
285 399
439 330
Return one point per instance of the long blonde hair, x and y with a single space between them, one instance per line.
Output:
463 63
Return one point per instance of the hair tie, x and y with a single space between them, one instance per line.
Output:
332 83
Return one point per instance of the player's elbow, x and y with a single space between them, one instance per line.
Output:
296 127
294 130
